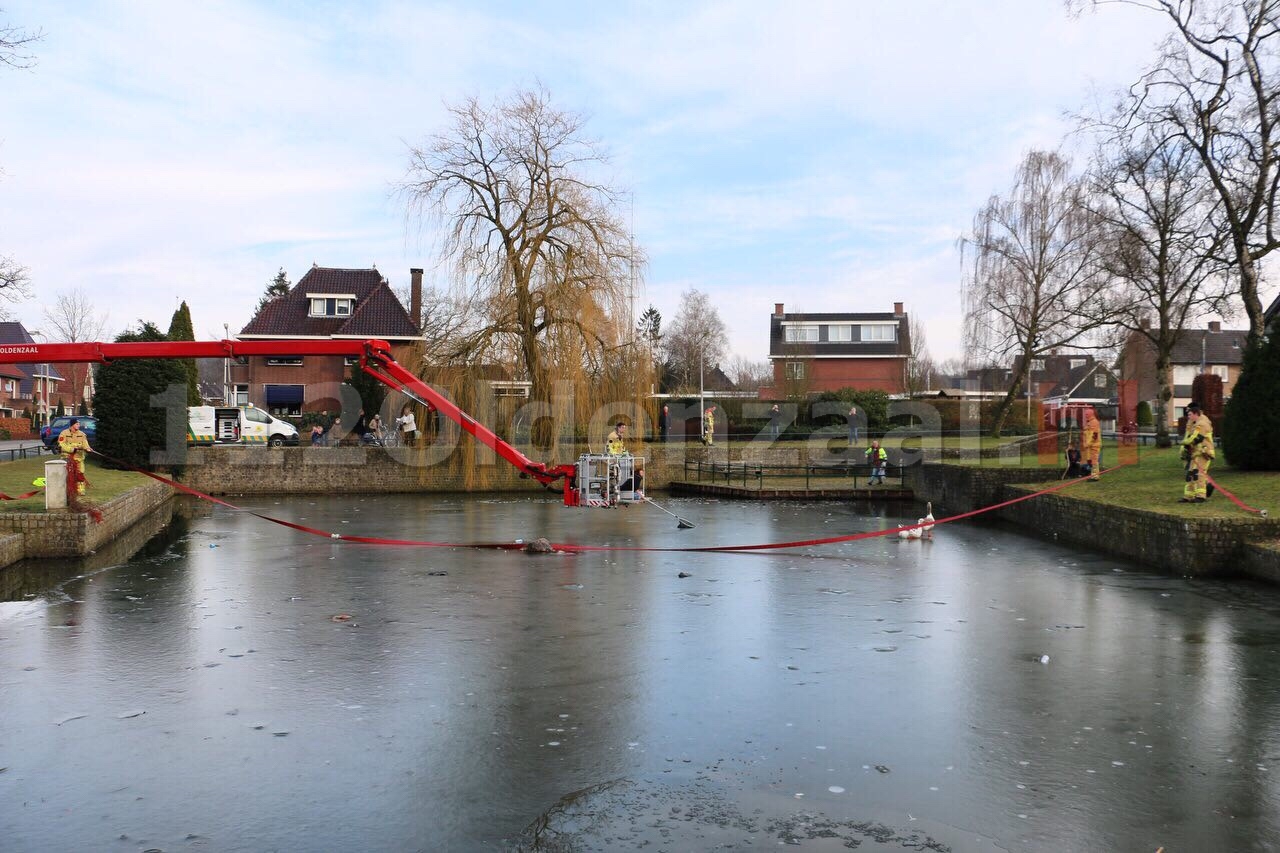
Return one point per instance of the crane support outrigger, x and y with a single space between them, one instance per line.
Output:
375 359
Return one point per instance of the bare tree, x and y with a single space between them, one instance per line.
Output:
1214 87
15 43
697 339
920 371
537 247
1032 284
73 318
749 375
1159 248
15 278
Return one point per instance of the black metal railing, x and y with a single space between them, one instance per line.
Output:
755 475
27 450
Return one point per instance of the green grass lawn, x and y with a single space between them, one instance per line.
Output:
16 477
1156 482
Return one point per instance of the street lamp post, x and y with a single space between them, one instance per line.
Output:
702 396
226 368
42 411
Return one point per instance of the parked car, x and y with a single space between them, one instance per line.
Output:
49 434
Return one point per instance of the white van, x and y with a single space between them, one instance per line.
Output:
237 425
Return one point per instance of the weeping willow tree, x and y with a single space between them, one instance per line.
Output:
1031 285
541 264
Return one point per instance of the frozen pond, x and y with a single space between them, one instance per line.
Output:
885 693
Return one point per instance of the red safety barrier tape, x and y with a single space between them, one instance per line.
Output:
575 548
4 497
1235 500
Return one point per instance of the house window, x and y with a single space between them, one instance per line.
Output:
285 361
242 395
879 333
1184 374
1077 363
283 400
839 334
351 360
802 334
1221 371
1037 364
331 306
1099 380
795 370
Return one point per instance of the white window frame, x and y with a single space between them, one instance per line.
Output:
1037 364
794 370
1099 380
801 334
879 333
343 304
242 395
1220 370
1077 363
841 333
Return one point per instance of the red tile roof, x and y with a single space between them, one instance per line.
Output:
377 312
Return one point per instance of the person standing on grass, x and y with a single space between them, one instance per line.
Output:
664 423
1091 443
74 444
853 425
1198 453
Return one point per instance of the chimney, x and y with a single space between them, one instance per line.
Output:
1215 326
897 308
777 309
415 296
1144 322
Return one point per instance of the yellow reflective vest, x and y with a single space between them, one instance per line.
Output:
615 445
1199 437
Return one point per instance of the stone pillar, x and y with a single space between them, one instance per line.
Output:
55 484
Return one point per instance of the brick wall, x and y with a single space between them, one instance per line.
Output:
75 534
1262 561
1169 543
832 374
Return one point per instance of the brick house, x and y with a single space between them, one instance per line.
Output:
812 353
341 304
38 389
11 401
1220 351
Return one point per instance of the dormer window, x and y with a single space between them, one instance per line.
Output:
336 305
801 334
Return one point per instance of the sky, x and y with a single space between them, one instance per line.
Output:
826 155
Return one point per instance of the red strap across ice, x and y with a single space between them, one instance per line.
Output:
575 548
4 497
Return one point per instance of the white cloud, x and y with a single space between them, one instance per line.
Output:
168 151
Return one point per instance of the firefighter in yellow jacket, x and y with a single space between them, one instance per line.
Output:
1197 452
616 444
1091 443
74 444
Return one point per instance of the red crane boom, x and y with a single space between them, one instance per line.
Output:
375 360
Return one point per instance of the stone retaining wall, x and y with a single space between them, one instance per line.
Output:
1262 561
367 470
1176 544
75 534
